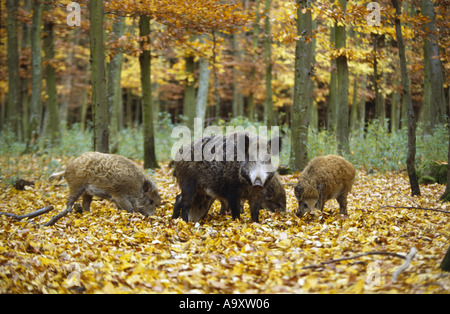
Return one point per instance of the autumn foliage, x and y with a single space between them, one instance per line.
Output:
111 251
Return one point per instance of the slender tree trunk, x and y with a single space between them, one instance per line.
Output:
445 265
342 89
437 108
446 196
146 85
52 130
203 90
255 38
99 104
12 115
380 110
114 91
238 97
269 115
36 70
24 81
189 92
411 158
332 95
299 116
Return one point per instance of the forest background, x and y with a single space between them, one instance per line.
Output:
230 63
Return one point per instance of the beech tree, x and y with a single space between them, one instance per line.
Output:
303 72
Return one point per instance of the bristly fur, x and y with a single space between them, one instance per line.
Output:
229 181
324 178
111 177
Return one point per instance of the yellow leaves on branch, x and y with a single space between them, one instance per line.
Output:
198 15
107 251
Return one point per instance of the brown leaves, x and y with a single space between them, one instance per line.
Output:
107 251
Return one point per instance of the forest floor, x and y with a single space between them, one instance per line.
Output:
111 251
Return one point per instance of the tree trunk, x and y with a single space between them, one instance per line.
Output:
114 91
411 158
99 105
332 96
303 70
189 92
437 108
12 114
36 79
238 97
255 38
203 90
446 196
146 85
269 115
52 126
445 265
24 81
380 110
342 89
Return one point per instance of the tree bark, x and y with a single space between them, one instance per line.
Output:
36 70
13 67
303 70
203 90
189 92
146 85
445 265
437 104
342 130
411 158
52 130
99 105
114 91
269 115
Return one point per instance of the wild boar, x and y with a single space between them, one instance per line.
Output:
110 177
324 178
231 181
273 198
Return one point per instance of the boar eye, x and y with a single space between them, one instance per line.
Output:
150 202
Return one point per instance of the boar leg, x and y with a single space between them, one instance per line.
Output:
73 197
187 194
87 199
234 204
124 204
177 207
254 211
342 200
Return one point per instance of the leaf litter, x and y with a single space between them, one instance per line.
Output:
111 251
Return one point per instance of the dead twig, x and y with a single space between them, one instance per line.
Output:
405 265
36 213
321 264
52 221
413 207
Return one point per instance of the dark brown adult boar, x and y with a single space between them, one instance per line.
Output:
232 168
273 198
324 178
110 177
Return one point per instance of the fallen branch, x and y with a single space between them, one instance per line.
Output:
321 264
405 265
30 215
52 221
412 207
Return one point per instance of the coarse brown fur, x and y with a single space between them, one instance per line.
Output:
273 198
111 177
229 181
324 178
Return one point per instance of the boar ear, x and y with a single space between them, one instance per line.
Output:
146 186
320 187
